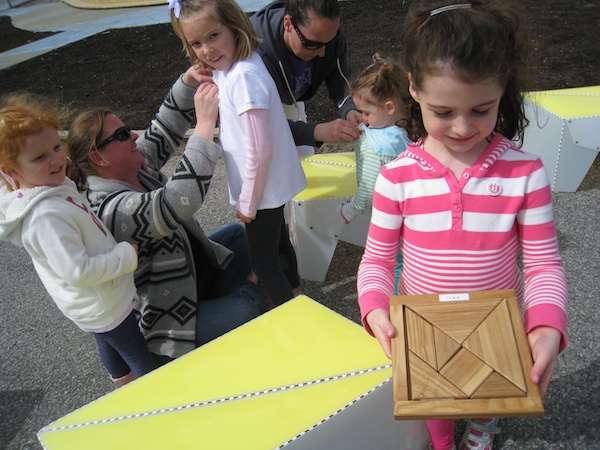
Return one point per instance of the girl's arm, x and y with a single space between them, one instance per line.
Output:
258 162
545 300
55 236
376 271
370 165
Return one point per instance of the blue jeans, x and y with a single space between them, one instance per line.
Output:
234 300
124 350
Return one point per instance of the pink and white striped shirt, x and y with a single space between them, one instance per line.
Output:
465 235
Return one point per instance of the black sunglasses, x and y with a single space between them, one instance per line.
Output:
121 134
307 43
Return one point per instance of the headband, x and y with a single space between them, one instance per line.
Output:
450 8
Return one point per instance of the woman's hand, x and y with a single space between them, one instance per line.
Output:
382 328
544 343
206 101
354 117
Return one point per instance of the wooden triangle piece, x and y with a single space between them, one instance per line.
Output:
459 319
494 342
426 383
419 336
445 347
496 386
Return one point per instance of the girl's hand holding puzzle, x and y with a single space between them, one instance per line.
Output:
379 322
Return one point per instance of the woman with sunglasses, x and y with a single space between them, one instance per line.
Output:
303 47
192 288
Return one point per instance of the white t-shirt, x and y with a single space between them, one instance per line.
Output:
247 86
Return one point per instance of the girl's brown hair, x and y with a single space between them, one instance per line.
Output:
481 41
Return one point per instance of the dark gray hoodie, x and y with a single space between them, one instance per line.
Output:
333 68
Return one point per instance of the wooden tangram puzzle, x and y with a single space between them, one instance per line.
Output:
461 356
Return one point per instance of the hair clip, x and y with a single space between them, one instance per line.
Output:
175 5
374 58
450 8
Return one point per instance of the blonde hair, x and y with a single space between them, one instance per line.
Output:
85 134
227 13
23 114
384 80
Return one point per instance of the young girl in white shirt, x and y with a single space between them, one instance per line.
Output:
263 167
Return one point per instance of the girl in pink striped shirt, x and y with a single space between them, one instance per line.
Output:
462 202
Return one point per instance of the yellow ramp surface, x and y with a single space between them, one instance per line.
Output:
328 175
258 387
569 103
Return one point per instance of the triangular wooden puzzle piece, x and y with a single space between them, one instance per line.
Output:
460 320
494 342
445 347
419 336
426 383
496 386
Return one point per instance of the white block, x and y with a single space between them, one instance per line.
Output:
564 131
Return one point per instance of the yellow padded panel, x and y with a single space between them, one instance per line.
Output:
256 387
569 103
329 175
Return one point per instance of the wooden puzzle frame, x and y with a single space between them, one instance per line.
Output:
439 337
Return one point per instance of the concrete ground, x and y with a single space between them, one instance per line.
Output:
48 367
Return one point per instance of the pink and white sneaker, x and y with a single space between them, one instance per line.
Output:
480 434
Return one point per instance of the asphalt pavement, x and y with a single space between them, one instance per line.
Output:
48 367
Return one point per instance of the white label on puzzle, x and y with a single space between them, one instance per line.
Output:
453 297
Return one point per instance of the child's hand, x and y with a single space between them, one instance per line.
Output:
196 75
544 343
342 214
136 248
382 328
244 218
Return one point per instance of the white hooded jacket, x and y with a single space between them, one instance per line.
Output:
86 272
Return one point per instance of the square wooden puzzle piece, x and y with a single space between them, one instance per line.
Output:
461 356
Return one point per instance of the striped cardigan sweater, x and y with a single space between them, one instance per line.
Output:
466 234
